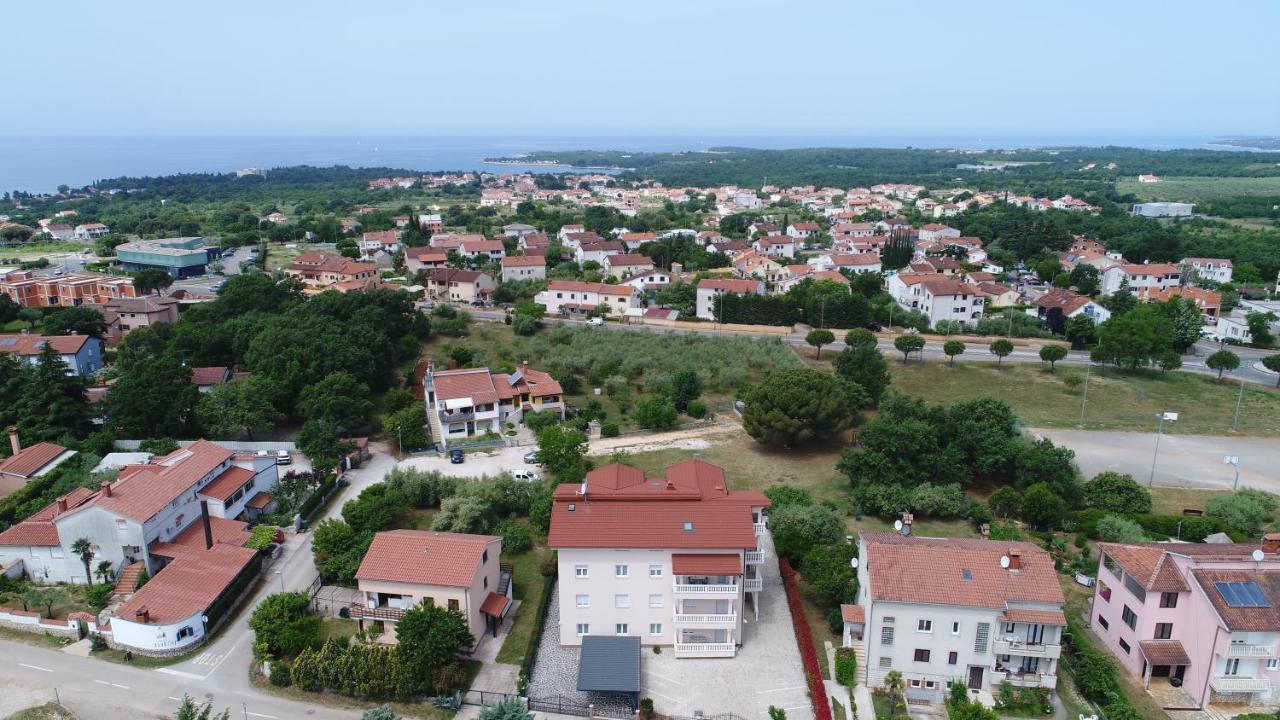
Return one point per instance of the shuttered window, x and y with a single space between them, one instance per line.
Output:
980 639
886 636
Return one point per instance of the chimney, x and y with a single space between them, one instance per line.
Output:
142 615
62 505
671 485
105 487
204 519
1015 560
1271 543
14 443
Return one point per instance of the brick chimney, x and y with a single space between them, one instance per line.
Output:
14 443
1015 560
1271 543
62 505
142 615
105 487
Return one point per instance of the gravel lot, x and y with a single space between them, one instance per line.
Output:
478 462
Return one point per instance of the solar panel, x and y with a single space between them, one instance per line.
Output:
1255 594
1242 594
1228 593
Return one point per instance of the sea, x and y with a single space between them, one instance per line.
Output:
42 163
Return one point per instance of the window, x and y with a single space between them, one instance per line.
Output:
1233 665
921 656
1104 592
1125 647
925 626
1129 618
1103 622
981 637
620 629
1273 664
1168 599
453 604
655 628
583 629
886 662
888 620
186 632
886 636
486 583
655 571
484 557
580 571
620 571
656 600
952 658
1164 631
915 683
955 628
583 601
622 601
1007 627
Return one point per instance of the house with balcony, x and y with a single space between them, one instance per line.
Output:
676 561
406 568
466 403
937 610
1199 621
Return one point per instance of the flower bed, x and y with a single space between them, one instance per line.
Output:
804 638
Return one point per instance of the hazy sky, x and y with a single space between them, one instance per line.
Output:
893 67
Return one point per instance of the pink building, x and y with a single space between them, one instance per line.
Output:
1204 615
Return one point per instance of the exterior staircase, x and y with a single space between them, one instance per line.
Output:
504 578
860 654
434 428
128 581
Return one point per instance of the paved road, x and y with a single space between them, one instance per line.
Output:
99 690
1183 461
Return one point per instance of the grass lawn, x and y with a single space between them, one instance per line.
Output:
1116 400
117 656
1190 188
417 518
48 711
337 627
70 598
1077 597
30 638
1173 500
528 583
883 710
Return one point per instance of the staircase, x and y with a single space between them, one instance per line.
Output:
504 577
434 428
128 581
860 654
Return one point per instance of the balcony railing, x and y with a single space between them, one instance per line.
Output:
457 417
705 650
705 590
759 528
1225 684
1021 647
753 584
1241 650
1029 679
358 611
755 557
730 620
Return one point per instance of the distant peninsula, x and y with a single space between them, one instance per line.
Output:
1262 142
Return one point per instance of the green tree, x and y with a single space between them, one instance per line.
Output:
797 528
151 280
338 550
562 451
339 397
1243 510
951 349
430 637
1052 354
1081 331
1048 269
1001 348
1187 321
283 625
1122 300
50 404
686 387
894 687
189 710
1114 528
907 344
1135 338
408 426
105 571
1260 328
863 365
1042 508
80 320
1118 493
799 405
1005 502
1169 360
828 574
656 413
1272 363
860 337
142 343
83 549
818 338
318 440
154 399
1222 361
240 406
1043 462
1085 279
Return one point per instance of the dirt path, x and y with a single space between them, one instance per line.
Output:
695 438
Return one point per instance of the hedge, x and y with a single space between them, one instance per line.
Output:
846 666
1095 674
1193 529
535 639
317 498
804 638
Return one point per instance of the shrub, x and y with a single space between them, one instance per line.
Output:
280 676
462 515
1117 493
515 537
1005 502
99 595
535 421
1042 507
697 409
610 430
260 537
797 528
656 413
846 667
1191 529
782 495
1243 510
804 638
283 626
1114 528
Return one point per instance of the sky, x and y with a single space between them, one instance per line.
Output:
1139 68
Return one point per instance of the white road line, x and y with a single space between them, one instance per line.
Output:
782 689
122 687
179 673
35 667
269 717
102 682
175 699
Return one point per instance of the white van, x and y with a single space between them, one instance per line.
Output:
526 475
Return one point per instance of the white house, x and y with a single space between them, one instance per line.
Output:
1057 305
621 266
779 246
1146 276
469 402
710 289
574 297
938 296
91 231
524 267
483 250
651 279
1214 269
597 251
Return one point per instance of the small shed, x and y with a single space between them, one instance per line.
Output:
611 664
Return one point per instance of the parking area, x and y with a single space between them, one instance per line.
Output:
476 462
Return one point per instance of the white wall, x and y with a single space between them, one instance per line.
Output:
157 637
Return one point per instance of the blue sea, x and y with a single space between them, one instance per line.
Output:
42 163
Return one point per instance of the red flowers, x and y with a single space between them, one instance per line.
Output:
804 638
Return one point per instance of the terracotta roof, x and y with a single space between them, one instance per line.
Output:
605 246
191 540
852 613
1038 617
1148 565
31 533
30 460
260 501
1239 618
1164 652
187 586
524 261
421 557
476 383
33 343
949 571
580 286
706 564
144 490
651 524
1065 300
443 276
213 375
730 285
494 605
628 260
485 246
225 485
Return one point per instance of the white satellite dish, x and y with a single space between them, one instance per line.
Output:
1004 561
853 562
1257 556
897 524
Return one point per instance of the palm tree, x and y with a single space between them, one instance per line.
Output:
895 686
84 550
105 571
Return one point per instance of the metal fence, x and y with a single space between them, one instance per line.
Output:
561 705
484 697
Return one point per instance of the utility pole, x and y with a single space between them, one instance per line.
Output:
1170 416
1084 404
1235 419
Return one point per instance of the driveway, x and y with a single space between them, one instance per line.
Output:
1184 460
478 462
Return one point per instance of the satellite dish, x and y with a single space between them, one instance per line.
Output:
853 562
1004 561
1257 556
897 524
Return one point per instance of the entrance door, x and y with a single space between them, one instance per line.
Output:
1160 671
975 677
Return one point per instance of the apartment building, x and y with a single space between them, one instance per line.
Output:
124 315
1205 614
938 296
710 290
524 267
463 286
671 560
978 612
465 403
1217 270
1150 276
27 290
574 297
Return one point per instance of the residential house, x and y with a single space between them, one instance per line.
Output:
462 404
206 378
91 231
1212 269
60 231
647 280
1140 277
518 230
574 297
937 296
710 291
27 290
425 258
1201 613
977 612
430 222
621 266
1208 302
803 230
567 230
482 250
935 231
633 241
124 315
456 285
573 241
671 560
1235 324
533 241
1148 178
26 463
853 262
597 252
524 267
999 296
752 264
779 246
387 241
82 354
406 568
1057 305
326 271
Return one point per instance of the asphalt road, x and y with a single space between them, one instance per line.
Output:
100 690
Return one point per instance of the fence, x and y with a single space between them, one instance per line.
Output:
560 705
241 445
484 697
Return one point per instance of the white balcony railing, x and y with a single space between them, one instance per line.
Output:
753 584
755 557
1020 647
706 590
730 620
706 650
1224 684
1026 679
759 528
1241 650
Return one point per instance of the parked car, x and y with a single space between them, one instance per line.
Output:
531 457
283 457
596 321
874 326
477 303
526 476
456 457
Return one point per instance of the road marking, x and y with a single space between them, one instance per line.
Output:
208 658
781 689
179 673
269 717
122 687
35 667
174 698
102 682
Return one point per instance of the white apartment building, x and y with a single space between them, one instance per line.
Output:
710 289
1214 269
673 561
465 403
978 612
1148 276
940 297
574 297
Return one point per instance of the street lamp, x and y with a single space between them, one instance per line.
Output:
1171 417
1233 460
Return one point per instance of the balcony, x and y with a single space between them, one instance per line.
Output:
1023 648
706 590
705 650
457 417
730 620
755 557
1242 650
1029 679
364 612
753 584
759 528
1225 684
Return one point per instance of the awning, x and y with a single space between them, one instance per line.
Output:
260 501
1164 652
1035 617
609 664
852 614
495 605
706 564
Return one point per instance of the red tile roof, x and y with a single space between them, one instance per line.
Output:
706 564
191 539
144 490
650 524
260 501
524 261
495 605
730 285
580 286
32 344
1240 618
30 460
1039 617
187 586
213 375
225 485
1164 652
628 260
421 557
852 613
1064 300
